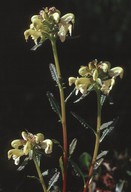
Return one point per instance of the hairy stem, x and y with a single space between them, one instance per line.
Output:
63 112
97 141
40 175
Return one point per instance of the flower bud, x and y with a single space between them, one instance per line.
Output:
39 137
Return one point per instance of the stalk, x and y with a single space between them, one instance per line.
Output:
63 113
40 175
97 141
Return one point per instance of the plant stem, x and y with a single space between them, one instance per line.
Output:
40 175
63 113
97 141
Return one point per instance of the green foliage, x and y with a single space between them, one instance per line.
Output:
85 160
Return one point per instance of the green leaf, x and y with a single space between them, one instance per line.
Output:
54 105
61 165
83 122
85 160
78 170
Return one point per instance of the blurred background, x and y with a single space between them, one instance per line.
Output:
102 31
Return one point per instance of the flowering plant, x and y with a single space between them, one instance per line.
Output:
96 76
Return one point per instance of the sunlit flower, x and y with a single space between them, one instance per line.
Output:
49 24
100 74
81 84
29 143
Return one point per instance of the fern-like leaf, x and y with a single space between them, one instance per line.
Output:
53 180
53 72
54 105
82 122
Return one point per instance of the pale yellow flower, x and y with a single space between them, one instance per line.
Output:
49 24
99 74
47 145
81 84
27 144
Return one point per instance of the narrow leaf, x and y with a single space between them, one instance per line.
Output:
105 133
53 72
106 125
45 173
61 166
102 99
53 180
72 146
98 163
24 163
77 170
103 153
119 186
54 105
110 127
82 122
72 92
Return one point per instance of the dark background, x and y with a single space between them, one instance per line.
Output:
102 31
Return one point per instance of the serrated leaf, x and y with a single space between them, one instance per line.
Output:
105 133
53 180
102 99
61 166
85 160
53 72
103 153
72 146
82 122
77 170
110 127
54 105
24 163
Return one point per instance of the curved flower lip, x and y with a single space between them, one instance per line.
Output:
28 144
47 144
96 73
48 25
81 84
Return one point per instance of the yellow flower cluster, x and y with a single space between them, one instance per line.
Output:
96 73
27 144
49 24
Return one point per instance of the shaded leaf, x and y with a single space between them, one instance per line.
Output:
102 99
85 160
32 177
119 186
54 105
53 180
110 126
106 125
82 122
61 166
53 72
98 163
77 170
103 153
24 163
72 92
72 146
